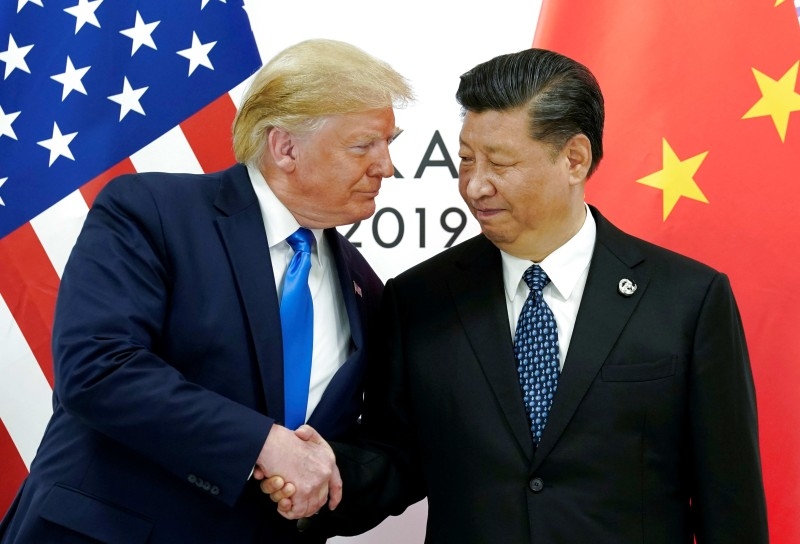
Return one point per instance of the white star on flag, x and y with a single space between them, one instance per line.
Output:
71 79
5 123
128 99
58 144
2 181
205 3
198 53
84 13
14 57
141 34
21 4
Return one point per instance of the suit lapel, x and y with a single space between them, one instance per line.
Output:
478 293
241 229
602 315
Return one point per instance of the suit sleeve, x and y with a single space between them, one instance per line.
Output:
728 498
112 304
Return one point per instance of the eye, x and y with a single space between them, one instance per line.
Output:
361 148
394 136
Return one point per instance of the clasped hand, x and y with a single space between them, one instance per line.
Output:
298 470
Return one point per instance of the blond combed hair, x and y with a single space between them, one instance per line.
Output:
307 82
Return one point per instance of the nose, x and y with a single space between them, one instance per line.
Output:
476 183
382 166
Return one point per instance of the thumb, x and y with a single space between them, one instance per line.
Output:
308 433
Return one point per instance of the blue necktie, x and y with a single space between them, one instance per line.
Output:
536 349
297 326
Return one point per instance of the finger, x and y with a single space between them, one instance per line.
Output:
314 501
284 493
322 498
335 487
305 432
258 474
272 484
285 505
310 434
299 508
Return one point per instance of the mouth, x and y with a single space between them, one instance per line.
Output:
484 213
370 191
370 194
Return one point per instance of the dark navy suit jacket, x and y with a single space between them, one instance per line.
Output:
168 362
651 439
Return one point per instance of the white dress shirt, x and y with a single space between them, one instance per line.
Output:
331 325
567 267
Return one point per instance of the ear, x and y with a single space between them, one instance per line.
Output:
579 154
282 147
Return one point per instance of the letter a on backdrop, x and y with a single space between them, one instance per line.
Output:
702 153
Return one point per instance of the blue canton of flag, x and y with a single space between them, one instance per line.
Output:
86 83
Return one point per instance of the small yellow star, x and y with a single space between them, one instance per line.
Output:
778 99
778 3
676 178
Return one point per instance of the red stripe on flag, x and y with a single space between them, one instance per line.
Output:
92 188
29 283
209 134
14 470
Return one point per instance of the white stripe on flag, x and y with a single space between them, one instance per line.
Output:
25 395
168 153
58 227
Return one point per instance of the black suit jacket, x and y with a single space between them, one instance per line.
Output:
651 438
169 370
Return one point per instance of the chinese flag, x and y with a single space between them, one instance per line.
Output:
702 155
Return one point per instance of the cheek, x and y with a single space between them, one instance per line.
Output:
462 186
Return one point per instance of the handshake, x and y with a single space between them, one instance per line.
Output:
297 469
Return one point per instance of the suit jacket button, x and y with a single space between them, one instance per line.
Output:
192 478
536 484
215 490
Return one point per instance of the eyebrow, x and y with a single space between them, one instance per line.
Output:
489 149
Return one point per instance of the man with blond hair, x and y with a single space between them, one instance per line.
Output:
179 381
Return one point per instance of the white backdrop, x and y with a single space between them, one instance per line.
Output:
431 43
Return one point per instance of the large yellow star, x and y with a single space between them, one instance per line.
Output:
778 99
676 178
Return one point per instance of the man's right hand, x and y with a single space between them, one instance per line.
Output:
307 466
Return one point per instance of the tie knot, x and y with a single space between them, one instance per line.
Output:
536 278
301 240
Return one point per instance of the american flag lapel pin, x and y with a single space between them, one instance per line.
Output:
357 289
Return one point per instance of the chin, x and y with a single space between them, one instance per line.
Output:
497 238
364 212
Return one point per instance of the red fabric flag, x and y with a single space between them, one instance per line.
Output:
702 153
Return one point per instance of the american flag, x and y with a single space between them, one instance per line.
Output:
92 89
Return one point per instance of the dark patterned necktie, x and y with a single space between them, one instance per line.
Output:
536 349
297 326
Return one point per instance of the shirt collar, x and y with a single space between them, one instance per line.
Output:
564 266
279 222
